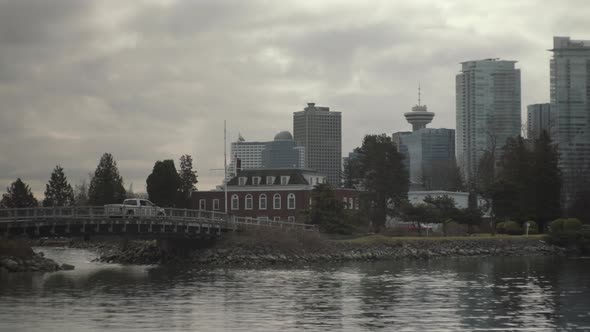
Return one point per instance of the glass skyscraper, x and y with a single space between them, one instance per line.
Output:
570 112
488 111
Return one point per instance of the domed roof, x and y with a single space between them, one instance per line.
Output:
284 136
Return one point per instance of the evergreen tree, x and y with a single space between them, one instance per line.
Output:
327 211
58 192
163 183
385 177
18 195
106 186
512 190
545 190
188 179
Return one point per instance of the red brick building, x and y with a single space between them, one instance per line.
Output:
276 194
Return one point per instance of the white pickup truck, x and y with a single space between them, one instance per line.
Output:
134 207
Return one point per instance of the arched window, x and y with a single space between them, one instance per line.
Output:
262 202
235 202
291 201
276 201
248 202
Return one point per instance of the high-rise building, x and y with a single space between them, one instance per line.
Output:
488 110
429 156
570 112
538 119
283 152
249 155
319 131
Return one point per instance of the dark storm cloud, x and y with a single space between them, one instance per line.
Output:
150 80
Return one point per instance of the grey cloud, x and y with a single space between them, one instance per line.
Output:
147 81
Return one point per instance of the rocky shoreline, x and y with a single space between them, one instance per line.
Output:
18 256
250 252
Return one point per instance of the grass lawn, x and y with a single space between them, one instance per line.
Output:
378 238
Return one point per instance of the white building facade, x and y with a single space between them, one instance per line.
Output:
488 110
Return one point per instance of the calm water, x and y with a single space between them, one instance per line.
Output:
467 294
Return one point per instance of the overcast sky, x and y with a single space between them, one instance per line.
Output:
152 80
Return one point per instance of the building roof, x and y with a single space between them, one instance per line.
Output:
296 176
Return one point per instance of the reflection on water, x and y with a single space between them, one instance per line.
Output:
466 294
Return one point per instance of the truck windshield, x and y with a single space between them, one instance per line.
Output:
129 202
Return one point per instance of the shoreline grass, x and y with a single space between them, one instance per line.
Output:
378 238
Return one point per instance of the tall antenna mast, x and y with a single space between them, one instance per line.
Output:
419 95
225 164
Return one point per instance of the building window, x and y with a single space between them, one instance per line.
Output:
262 202
235 202
216 204
291 201
277 202
291 219
351 203
345 201
256 180
263 218
277 218
284 180
356 203
242 180
270 180
248 202
202 204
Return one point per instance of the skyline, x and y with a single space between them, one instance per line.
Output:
155 80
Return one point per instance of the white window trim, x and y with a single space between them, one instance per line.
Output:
260 202
216 204
291 195
256 180
202 204
274 206
291 219
285 180
270 180
277 218
235 198
242 181
246 202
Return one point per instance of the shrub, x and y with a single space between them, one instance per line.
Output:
533 227
453 228
501 228
512 228
556 225
572 224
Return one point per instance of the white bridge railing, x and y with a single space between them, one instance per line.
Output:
82 214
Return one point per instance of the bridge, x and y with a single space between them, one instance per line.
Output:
95 220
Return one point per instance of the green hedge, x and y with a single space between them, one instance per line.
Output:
572 224
533 227
512 228
570 234
509 227
565 224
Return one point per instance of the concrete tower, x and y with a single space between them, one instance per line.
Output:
419 117
319 131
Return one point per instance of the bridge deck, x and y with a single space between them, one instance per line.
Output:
85 220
